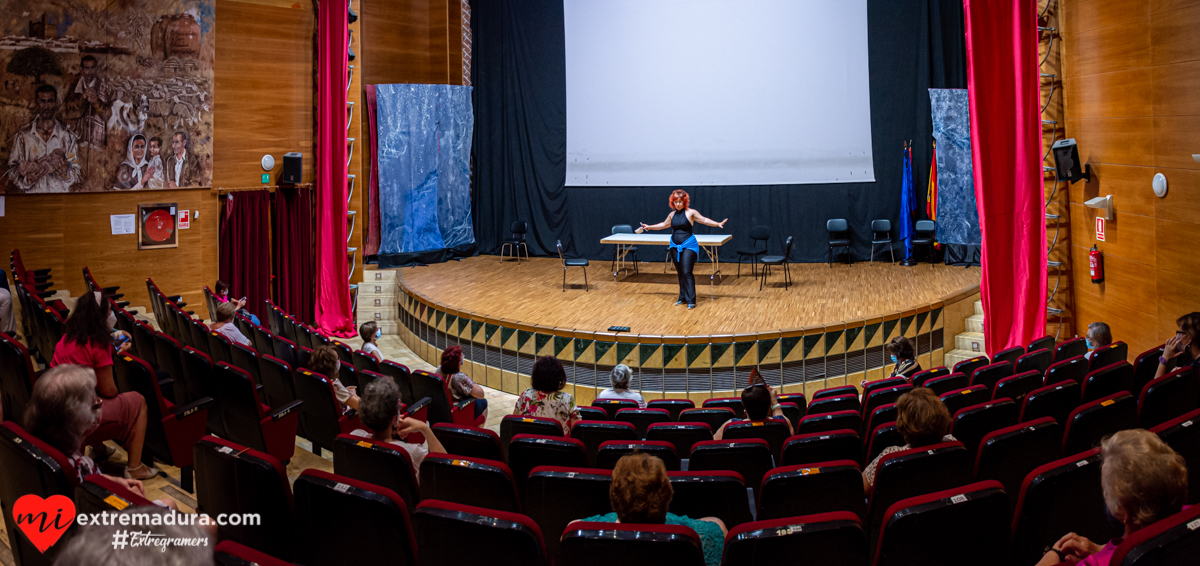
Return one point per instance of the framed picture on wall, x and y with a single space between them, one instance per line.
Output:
156 227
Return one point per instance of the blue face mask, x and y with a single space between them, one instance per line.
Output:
1088 341
894 360
378 333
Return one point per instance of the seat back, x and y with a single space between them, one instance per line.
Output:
973 423
924 228
1010 355
469 441
1007 455
1108 355
882 415
1183 436
143 341
830 421
403 378
962 398
1039 360
828 538
98 493
881 438
948 383
760 234
1069 349
1074 369
133 374
749 457
913 472
469 481
825 487
168 357
720 494
1145 367
834 404
1017 387
971 522
834 392
321 414
241 411
285 350
883 384
641 419
218 347
968 367
796 399
603 544
732 403
279 387
837 228
714 417
321 495
592 413
1055 401
816 447
1063 496
512 425
672 406
528 451
555 496
264 341
989 375
919 378
1043 343
197 332
442 527
682 435
880 396
1089 423
1167 397
594 433
232 478
881 226
1173 541
1102 382
425 384
247 359
613 450
773 430
378 463
31 467
16 378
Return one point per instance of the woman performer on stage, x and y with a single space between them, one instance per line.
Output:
683 241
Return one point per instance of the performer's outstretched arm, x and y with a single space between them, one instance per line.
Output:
664 224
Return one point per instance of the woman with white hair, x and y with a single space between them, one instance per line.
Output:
620 386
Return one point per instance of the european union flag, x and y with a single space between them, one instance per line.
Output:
908 204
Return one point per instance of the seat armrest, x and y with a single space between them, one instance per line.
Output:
166 384
460 405
190 408
43 271
40 288
131 313
109 290
284 410
175 299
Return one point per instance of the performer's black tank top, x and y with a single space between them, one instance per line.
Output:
681 227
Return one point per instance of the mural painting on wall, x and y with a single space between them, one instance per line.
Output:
101 95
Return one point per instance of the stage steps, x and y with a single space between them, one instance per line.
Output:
968 344
378 300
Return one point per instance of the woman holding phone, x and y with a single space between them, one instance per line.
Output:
379 410
683 242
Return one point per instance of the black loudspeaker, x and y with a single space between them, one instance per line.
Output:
1066 162
293 168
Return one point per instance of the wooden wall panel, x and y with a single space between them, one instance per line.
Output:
1135 70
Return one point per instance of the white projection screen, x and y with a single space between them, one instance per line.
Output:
717 92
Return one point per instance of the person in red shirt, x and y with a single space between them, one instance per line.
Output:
88 342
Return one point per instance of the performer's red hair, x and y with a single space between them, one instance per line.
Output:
680 194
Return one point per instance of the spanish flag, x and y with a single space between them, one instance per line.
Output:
931 193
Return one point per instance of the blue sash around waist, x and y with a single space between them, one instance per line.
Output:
688 244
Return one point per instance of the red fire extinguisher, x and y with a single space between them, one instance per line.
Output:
1096 265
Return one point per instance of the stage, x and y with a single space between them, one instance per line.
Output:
830 322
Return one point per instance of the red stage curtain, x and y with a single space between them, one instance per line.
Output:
1006 147
332 310
246 248
292 251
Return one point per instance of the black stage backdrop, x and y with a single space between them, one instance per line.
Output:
518 71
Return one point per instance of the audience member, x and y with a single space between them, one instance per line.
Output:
1144 481
1183 349
620 386
461 386
221 291
546 398
904 356
1098 335
225 326
7 323
760 403
922 419
641 493
324 360
87 342
370 333
92 545
380 412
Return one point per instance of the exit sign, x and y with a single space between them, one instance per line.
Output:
266 178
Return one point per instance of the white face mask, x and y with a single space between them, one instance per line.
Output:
337 370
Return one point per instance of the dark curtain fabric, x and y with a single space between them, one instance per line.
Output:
371 243
246 247
518 71
293 253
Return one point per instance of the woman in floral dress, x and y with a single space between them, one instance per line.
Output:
546 398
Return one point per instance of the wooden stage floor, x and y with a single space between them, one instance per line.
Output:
531 293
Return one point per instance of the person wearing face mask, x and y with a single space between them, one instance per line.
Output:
903 356
1183 349
87 341
1143 481
461 386
221 292
324 360
1098 335
380 412
370 333
683 242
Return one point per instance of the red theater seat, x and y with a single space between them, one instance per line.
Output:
1061 497
605 544
1091 422
815 447
32 467
231 478
611 406
732 403
1007 455
613 450
250 422
750 457
1055 401
448 533
774 430
673 406
973 423
825 487
99 494
1074 369
968 367
323 498
641 419
1183 436
988 375
881 396
528 451
683 435
1036 360
720 494
828 538
968 522
714 417
914 472
1168 397
555 496
1174 541
1017 387
948 383
1107 355
378 463
825 422
512 425
470 441
469 481
833 404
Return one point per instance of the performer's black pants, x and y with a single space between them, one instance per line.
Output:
684 263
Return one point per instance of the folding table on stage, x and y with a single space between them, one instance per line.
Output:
710 243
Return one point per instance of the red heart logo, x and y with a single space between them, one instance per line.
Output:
44 520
